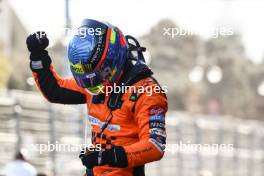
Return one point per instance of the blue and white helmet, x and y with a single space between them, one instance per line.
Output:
97 54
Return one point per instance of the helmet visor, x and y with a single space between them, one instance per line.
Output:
93 82
88 80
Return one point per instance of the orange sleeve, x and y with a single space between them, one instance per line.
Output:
68 83
150 116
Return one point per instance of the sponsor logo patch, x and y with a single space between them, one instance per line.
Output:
159 146
97 122
158 134
158 138
36 65
156 110
157 118
158 131
157 125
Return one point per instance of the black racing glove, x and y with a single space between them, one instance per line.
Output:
36 44
114 157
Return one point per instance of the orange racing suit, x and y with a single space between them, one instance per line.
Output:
138 125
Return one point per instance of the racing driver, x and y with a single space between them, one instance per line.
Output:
128 125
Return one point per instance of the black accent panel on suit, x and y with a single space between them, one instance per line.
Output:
56 94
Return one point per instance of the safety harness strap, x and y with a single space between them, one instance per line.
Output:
137 73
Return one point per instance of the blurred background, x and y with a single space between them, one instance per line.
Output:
208 53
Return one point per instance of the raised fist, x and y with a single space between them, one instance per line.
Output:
37 42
